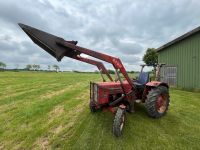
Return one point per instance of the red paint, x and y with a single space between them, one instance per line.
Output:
122 106
157 83
105 89
99 65
159 102
111 109
153 83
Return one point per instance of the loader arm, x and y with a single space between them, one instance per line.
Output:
116 62
99 65
59 48
46 40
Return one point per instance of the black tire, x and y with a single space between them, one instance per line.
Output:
93 108
118 123
154 108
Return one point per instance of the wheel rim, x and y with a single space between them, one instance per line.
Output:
122 123
161 103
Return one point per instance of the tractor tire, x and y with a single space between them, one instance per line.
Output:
92 107
157 102
118 123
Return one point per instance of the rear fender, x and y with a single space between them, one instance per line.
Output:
156 83
151 85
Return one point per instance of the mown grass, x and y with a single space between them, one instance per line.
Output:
50 111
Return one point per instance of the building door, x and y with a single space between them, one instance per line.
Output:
168 75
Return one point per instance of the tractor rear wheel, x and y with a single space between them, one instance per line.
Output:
157 102
118 123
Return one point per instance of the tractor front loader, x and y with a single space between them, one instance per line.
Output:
116 96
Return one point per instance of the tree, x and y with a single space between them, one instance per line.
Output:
28 67
37 67
96 71
49 67
2 65
34 66
151 56
56 67
111 71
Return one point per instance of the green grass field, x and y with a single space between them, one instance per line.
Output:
50 111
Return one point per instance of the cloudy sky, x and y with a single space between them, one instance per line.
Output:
122 28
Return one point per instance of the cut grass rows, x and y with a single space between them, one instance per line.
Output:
50 111
32 107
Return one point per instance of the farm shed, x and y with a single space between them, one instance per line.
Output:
182 59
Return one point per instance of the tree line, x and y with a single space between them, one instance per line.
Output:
36 67
2 66
150 58
32 67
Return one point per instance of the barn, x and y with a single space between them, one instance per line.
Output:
182 59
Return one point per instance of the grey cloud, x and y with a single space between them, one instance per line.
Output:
124 29
14 12
127 47
130 48
8 46
6 38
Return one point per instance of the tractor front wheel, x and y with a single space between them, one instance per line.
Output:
118 123
157 102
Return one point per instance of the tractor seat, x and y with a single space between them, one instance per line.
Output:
142 80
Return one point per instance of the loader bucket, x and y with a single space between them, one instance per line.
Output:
48 42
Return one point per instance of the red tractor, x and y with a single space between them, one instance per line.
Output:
116 96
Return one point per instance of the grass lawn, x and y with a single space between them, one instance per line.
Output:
50 111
